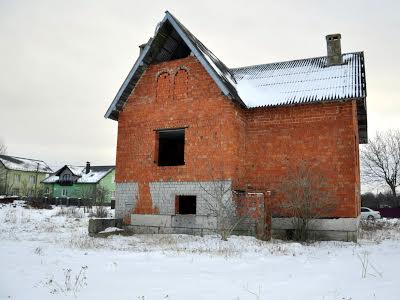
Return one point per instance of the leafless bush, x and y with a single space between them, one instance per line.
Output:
38 250
230 208
256 294
379 230
10 217
71 283
38 203
84 242
306 198
366 265
219 202
99 212
71 211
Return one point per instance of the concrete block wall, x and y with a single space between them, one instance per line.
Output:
340 229
163 194
126 195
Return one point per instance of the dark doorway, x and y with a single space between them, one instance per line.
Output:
171 147
185 205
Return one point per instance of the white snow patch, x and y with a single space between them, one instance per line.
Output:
111 229
41 245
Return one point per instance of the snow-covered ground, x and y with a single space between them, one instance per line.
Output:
47 254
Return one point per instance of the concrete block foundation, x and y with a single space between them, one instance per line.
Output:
338 229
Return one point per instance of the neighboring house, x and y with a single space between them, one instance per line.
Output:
22 176
186 120
81 182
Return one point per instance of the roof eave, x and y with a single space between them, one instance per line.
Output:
112 113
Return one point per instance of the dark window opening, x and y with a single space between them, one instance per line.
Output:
185 205
171 147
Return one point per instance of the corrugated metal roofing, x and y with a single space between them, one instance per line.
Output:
300 81
284 83
24 164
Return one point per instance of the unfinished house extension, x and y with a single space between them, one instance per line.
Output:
190 128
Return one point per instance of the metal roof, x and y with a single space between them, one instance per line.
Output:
299 81
24 164
285 83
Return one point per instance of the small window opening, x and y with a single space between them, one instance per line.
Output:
171 147
185 205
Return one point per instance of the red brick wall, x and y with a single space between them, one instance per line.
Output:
224 141
178 94
323 136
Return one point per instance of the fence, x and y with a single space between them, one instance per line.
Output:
45 201
390 212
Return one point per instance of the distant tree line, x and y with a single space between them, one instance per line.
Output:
380 200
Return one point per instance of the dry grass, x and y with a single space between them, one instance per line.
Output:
379 230
72 211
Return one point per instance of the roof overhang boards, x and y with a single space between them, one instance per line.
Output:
156 50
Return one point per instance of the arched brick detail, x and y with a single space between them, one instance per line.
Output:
181 79
163 86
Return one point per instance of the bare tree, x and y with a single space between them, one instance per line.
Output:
219 203
101 195
232 210
306 198
381 160
88 195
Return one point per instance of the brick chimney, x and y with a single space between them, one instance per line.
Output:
334 49
87 167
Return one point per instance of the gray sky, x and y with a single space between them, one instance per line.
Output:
62 62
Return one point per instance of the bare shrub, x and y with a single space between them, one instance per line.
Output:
379 230
83 242
306 198
230 208
256 294
38 250
99 212
367 265
10 217
39 203
219 202
71 283
71 211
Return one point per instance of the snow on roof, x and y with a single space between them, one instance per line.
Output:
284 83
299 81
95 174
24 164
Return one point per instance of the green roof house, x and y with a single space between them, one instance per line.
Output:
22 176
82 182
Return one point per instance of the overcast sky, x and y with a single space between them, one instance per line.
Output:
62 62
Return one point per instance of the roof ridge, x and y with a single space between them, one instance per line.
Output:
290 61
34 159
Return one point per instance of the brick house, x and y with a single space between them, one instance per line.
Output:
186 120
